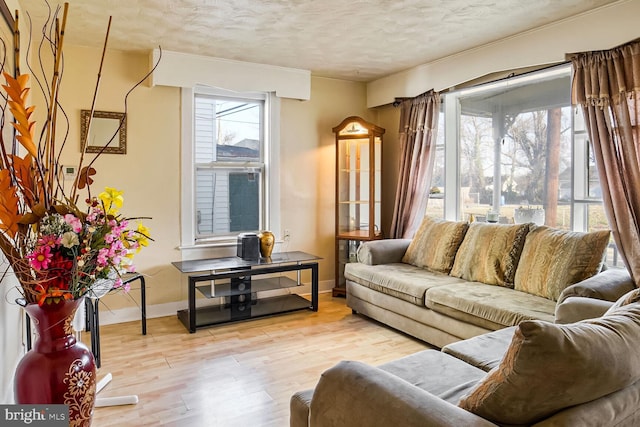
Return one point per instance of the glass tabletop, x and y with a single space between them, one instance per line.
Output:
237 262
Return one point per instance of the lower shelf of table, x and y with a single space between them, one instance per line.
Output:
226 313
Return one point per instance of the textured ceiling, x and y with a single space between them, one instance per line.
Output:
348 39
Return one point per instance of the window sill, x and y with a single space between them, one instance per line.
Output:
210 244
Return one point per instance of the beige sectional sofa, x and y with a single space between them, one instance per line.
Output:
532 333
456 280
538 373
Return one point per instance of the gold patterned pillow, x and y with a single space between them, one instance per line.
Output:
553 259
435 244
549 367
489 253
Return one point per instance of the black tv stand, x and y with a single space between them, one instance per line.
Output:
240 292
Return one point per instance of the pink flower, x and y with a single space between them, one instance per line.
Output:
109 238
74 222
41 257
103 257
49 240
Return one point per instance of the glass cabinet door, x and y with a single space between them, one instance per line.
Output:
354 217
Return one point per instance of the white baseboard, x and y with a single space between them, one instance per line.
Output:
131 314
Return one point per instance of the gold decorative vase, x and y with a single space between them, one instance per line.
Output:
267 240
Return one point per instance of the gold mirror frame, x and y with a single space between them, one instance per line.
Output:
107 129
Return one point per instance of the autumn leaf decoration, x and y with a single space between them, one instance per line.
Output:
18 91
16 172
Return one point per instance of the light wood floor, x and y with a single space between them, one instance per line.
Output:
240 374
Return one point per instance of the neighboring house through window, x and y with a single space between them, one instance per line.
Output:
229 166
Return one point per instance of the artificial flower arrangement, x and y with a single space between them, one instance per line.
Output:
73 251
56 249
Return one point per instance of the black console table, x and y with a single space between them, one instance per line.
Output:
239 292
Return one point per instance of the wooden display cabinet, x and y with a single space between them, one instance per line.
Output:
358 191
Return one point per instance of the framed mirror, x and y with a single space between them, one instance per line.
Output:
108 132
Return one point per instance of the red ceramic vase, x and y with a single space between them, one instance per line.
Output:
58 369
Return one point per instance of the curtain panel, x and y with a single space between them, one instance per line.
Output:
417 137
607 86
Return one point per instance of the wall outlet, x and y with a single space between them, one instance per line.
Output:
287 235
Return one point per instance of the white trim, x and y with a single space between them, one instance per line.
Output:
272 195
188 70
451 157
187 226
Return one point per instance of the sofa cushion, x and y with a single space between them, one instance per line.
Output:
483 351
630 297
492 307
399 280
440 374
553 259
489 253
435 244
549 367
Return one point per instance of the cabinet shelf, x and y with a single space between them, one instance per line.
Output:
358 235
257 285
357 202
225 313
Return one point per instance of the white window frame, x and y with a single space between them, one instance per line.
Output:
271 156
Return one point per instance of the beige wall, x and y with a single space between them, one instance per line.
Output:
388 117
149 173
307 173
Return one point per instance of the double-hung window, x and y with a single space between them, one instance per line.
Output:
229 173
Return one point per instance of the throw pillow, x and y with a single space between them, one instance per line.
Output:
435 244
553 259
548 367
489 253
628 298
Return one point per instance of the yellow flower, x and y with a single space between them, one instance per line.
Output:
112 200
142 236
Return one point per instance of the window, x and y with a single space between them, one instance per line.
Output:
435 204
230 156
515 151
229 167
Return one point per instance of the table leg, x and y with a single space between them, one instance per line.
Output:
95 333
28 326
192 305
314 287
143 302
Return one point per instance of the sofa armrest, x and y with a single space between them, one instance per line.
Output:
609 286
299 408
356 394
574 309
385 251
